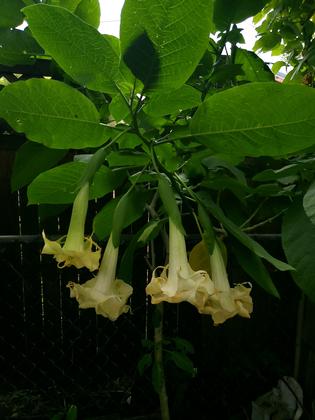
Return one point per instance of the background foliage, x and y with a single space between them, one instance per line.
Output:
237 147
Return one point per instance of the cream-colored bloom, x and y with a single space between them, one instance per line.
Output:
75 249
106 294
225 302
177 281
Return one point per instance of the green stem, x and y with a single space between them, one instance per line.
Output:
158 358
257 225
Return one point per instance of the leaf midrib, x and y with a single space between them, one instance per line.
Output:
237 130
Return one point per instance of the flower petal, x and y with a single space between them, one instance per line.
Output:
89 257
110 305
193 288
224 305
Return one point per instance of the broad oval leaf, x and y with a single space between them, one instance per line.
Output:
185 97
90 12
17 47
10 15
257 119
130 207
255 268
87 56
309 202
254 68
38 157
52 113
226 13
298 238
67 4
58 185
162 42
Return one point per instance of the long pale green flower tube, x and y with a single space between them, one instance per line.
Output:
177 281
225 302
106 294
75 249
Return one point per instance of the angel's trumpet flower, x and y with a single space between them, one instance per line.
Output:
106 294
225 301
177 281
75 249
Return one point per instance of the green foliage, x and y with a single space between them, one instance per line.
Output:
224 15
59 185
17 47
298 236
11 15
246 120
287 27
254 68
87 56
39 158
90 12
163 42
181 126
53 114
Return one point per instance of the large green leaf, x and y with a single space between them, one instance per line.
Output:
163 41
52 113
254 68
90 12
241 236
298 238
58 185
87 56
67 4
103 221
130 207
30 160
309 202
185 97
226 13
257 119
17 47
146 234
10 15
255 268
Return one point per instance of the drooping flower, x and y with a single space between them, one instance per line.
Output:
106 294
74 248
177 281
225 301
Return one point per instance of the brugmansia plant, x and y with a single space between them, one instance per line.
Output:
187 132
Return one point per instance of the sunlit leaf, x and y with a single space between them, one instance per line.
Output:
58 185
87 56
162 42
52 113
257 119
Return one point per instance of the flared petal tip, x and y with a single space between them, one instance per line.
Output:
87 255
224 305
110 305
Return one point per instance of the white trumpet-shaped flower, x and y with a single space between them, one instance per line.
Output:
225 301
177 281
75 249
106 294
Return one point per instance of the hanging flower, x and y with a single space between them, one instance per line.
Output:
74 248
225 301
177 281
106 294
